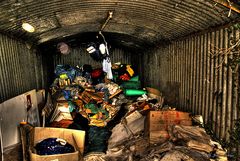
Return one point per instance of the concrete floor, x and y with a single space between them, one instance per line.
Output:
13 154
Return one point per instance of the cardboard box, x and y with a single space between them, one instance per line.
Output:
158 136
74 137
157 122
160 120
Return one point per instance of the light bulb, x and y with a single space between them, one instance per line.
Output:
28 27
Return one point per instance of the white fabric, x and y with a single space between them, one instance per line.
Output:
107 67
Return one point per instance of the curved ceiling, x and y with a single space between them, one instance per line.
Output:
139 22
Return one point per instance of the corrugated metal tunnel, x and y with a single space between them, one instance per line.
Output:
189 50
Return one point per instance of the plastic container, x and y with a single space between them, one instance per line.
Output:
134 92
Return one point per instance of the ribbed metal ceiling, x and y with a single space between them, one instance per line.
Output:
146 21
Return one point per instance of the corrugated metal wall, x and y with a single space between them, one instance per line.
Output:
21 68
79 56
195 80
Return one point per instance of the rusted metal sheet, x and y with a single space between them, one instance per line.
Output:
139 19
79 56
224 87
18 72
200 78
208 83
228 4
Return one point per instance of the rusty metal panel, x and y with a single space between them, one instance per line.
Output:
54 19
201 67
205 58
17 68
224 86
191 73
208 83
194 73
214 79
184 74
188 70
185 79
207 78
79 56
234 78
217 91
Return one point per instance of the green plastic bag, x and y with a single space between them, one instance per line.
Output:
134 92
131 85
136 78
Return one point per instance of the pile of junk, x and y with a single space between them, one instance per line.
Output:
121 120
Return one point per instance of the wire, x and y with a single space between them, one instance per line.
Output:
110 13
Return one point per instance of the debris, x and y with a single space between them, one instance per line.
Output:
156 137
157 151
147 130
182 153
198 119
193 144
187 133
158 122
124 130
97 139
96 156
119 135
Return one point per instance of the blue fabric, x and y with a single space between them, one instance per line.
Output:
67 94
51 146
67 69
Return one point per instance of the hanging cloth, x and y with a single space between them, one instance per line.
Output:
107 65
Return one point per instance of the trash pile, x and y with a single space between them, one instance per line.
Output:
124 121
188 143
86 100
86 91
167 134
